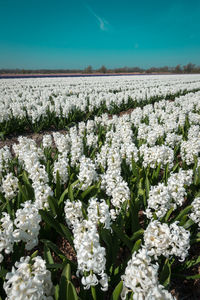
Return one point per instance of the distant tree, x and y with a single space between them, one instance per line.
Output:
189 68
164 69
103 69
88 70
178 69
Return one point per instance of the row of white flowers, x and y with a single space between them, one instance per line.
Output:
36 97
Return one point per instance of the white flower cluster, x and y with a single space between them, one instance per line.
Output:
91 139
172 139
190 149
161 239
5 157
10 186
61 166
29 155
47 141
159 201
193 132
87 174
90 255
113 182
62 142
6 235
141 278
176 185
150 133
29 280
27 225
162 198
71 94
76 146
195 214
98 212
153 156
124 135
73 212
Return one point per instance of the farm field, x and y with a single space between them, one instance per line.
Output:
105 202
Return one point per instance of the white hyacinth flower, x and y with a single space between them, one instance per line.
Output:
10 186
161 239
98 212
87 174
27 225
141 278
195 214
29 279
6 235
47 141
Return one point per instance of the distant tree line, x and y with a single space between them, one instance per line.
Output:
190 68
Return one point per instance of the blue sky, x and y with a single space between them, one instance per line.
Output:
75 34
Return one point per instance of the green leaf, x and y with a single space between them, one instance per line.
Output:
2 198
63 285
183 220
141 192
47 255
188 224
190 263
54 266
165 274
91 189
122 236
197 276
2 135
62 197
9 210
66 233
23 192
27 186
135 225
147 186
137 234
58 185
156 172
183 212
54 206
49 168
71 291
47 217
55 248
107 238
117 291
168 214
175 167
136 246
2 207
93 291
194 241
68 272
134 168
193 277
67 290
3 273
70 193
56 294
34 254
166 172
25 178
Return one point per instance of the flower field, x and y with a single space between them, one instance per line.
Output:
110 207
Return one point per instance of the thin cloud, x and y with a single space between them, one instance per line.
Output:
103 24
136 46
